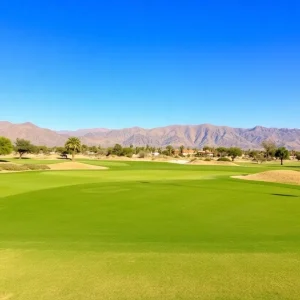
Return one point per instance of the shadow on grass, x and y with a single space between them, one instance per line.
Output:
3 160
285 195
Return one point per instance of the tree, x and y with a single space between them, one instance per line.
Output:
6 146
282 153
41 149
84 148
297 155
234 152
257 156
269 147
170 150
73 145
61 150
181 149
94 149
206 148
117 150
222 151
23 146
127 151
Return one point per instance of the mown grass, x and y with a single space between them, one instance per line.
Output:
148 231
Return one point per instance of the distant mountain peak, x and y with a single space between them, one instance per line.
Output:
188 135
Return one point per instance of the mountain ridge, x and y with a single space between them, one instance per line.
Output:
176 135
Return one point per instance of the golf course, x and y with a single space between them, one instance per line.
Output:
149 230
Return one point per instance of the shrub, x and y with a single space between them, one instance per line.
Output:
16 167
13 167
207 159
224 159
37 167
143 154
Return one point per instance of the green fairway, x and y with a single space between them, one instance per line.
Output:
145 230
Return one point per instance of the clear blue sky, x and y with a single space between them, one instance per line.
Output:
81 64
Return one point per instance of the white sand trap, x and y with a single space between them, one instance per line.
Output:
213 163
179 161
279 176
74 166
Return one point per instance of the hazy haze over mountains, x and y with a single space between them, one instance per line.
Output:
176 135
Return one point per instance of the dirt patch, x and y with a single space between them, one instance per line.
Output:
75 166
279 176
213 163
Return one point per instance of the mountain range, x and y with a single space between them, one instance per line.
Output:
176 135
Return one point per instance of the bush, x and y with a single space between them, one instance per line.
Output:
16 167
224 159
37 167
143 154
13 167
207 159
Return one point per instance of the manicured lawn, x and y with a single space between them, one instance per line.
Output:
144 230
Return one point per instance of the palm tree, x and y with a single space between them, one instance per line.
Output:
73 145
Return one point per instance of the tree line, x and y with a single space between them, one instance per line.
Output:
73 146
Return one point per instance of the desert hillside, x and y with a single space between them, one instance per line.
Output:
176 135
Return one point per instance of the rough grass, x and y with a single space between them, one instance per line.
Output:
148 231
19 167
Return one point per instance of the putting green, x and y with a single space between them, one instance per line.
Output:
148 231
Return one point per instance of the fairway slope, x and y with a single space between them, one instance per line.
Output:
75 166
279 176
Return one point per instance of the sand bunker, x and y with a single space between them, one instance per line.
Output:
213 163
74 166
280 176
181 162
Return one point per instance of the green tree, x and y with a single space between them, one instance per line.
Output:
6 146
297 155
61 150
73 145
269 147
257 156
206 148
84 148
181 149
94 149
282 153
234 152
117 150
222 151
41 149
170 150
23 146
127 151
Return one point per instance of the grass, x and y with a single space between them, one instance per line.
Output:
146 230
17 160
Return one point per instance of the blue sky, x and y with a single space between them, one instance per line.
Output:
82 64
